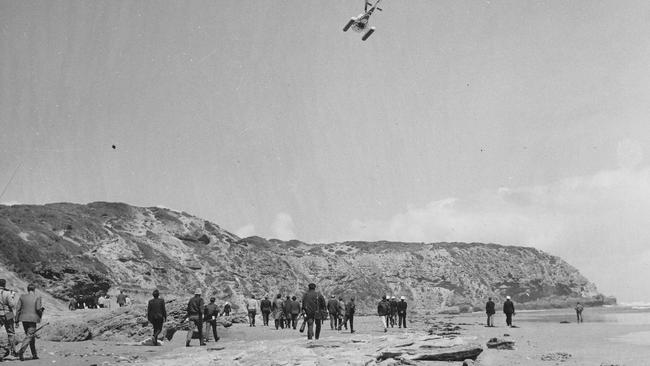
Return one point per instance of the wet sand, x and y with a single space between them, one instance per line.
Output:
608 337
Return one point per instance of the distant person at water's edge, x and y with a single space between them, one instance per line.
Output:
509 310
490 311
579 309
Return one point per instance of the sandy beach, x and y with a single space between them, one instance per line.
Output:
609 336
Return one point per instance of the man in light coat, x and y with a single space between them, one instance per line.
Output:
29 310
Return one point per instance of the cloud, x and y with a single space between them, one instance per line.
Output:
245 231
598 223
282 227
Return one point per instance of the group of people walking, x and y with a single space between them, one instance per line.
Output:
392 311
312 308
28 309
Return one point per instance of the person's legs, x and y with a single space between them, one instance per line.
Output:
157 328
294 320
310 327
30 329
332 321
11 335
508 319
213 324
199 326
351 319
318 327
384 322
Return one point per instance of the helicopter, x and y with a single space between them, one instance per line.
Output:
360 23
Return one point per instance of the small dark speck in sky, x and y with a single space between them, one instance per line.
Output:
114 147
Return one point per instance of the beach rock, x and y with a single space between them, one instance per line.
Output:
429 349
500 344
556 356
469 362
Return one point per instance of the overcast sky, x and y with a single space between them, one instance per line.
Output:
514 122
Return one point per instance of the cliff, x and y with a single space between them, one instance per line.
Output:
71 249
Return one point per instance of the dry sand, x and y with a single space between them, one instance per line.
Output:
607 337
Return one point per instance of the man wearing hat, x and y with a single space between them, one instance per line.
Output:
401 312
210 313
333 310
195 315
7 315
509 310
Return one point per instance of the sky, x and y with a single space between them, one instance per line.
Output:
510 122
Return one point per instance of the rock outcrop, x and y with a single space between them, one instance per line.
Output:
71 249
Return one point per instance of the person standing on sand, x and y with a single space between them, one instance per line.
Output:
393 311
490 311
333 309
278 312
29 310
383 310
341 314
251 306
156 314
287 311
195 315
265 306
579 308
294 310
509 310
210 314
313 305
350 308
401 312
7 315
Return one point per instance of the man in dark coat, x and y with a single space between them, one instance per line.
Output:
393 311
156 314
313 305
490 311
509 310
333 310
195 315
265 306
287 312
226 309
350 308
383 310
401 312
294 310
29 310
210 314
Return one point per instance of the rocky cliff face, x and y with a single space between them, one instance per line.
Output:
72 249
